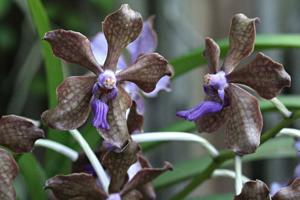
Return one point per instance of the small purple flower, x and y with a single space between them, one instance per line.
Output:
103 91
145 43
226 101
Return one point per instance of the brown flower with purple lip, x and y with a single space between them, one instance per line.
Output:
226 101
128 181
102 91
17 134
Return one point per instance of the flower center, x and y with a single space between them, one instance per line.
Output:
107 80
217 81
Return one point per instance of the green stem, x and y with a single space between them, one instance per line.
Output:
227 155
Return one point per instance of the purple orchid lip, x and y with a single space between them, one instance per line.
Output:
106 80
214 84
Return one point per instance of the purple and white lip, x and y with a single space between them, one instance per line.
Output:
107 80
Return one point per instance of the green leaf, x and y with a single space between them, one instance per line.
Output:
194 58
275 148
54 76
34 176
227 196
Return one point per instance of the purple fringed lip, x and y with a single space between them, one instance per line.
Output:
215 85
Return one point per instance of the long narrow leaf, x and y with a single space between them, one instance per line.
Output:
34 176
54 76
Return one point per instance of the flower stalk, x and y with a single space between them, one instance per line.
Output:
175 136
281 107
238 174
229 174
102 176
60 148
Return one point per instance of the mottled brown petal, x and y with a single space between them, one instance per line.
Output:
8 172
264 75
254 190
291 192
133 195
79 186
144 176
117 163
212 54
244 126
147 190
73 108
212 122
135 121
118 134
120 28
147 71
241 40
18 133
73 47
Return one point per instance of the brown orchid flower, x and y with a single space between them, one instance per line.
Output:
103 90
17 134
127 181
229 104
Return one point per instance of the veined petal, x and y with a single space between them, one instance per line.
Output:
99 48
120 28
241 40
73 47
135 121
264 75
146 41
73 108
118 163
8 172
75 186
212 54
291 192
254 190
213 121
244 126
18 134
145 176
147 71
133 195
118 134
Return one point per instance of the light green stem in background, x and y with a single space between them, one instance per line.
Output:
176 136
102 176
281 107
58 147
238 174
229 174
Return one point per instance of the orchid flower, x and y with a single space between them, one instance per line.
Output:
227 103
103 91
126 183
145 43
258 190
17 134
